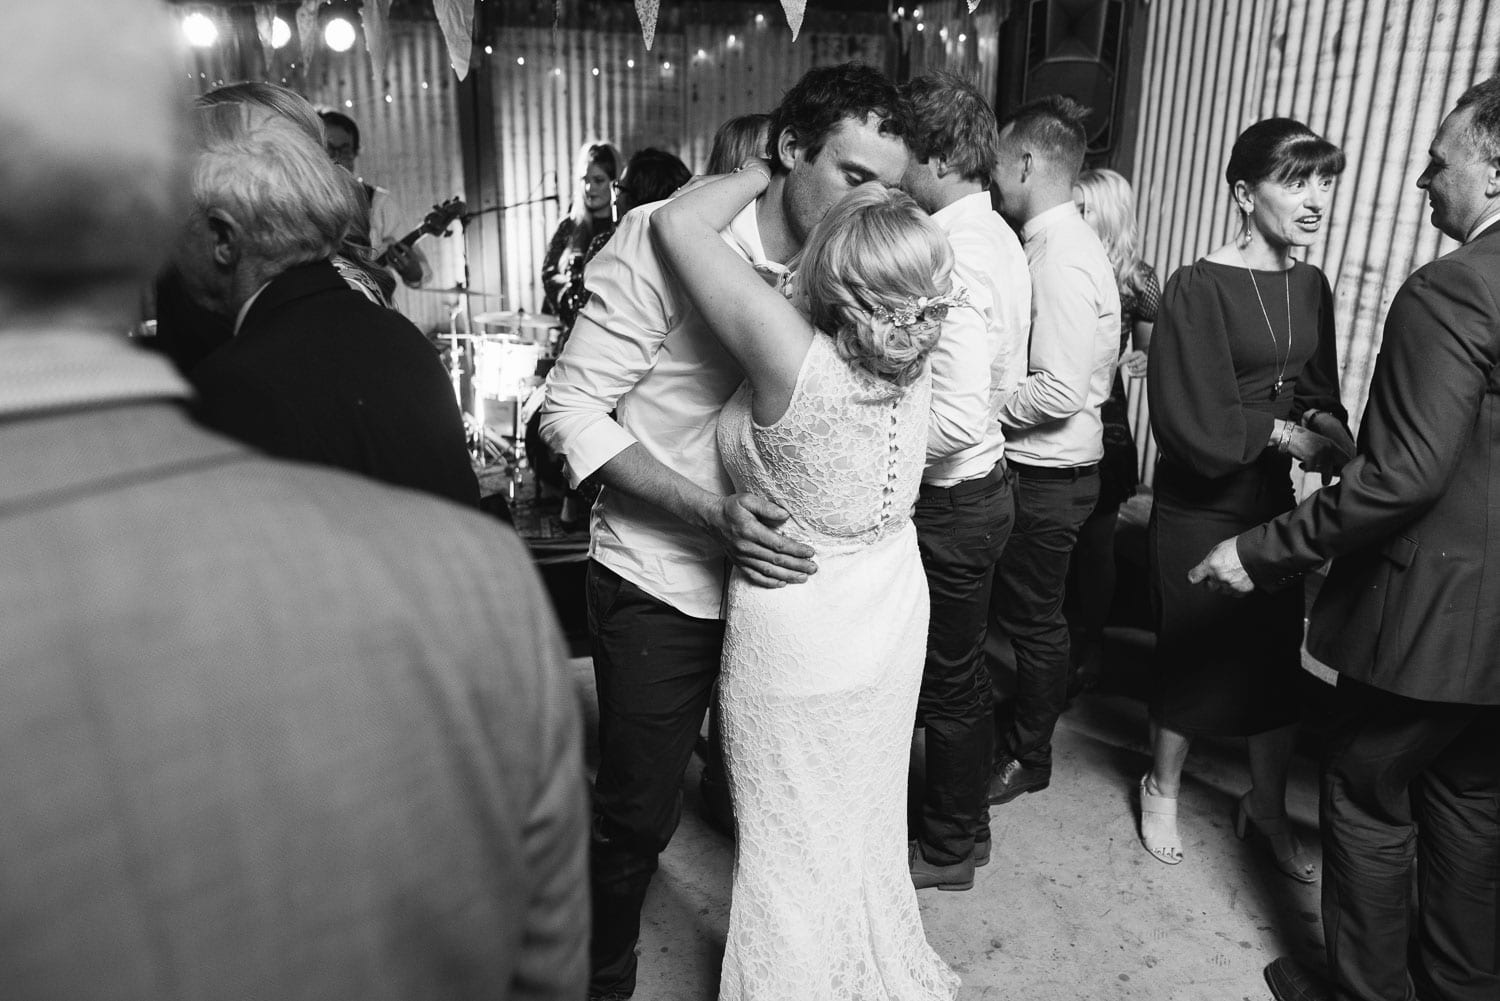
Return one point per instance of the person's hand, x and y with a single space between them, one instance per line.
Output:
1133 363
1222 571
745 525
1333 429
1318 453
400 258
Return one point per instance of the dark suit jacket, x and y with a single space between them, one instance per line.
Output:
319 373
1412 603
272 731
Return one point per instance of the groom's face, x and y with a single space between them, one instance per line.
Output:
853 153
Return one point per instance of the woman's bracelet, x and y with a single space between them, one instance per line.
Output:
1284 443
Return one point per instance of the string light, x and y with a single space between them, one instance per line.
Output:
596 71
921 26
424 84
962 38
348 103
666 66
389 99
760 20
630 63
200 30
339 34
732 41
281 33
489 50
520 60
557 71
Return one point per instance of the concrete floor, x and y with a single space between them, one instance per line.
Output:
1071 906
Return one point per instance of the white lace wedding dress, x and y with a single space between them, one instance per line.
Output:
819 692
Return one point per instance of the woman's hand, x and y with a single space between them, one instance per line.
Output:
1133 364
1330 427
1317 453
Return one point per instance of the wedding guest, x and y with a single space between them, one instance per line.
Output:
1107 204
1243 380
1411 762
387 218
269 730
1051 420
738 139
965 506
668 513
315 371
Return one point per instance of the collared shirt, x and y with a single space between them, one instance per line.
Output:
239 317
1484 222
641 349
51 368
982 351
1052 418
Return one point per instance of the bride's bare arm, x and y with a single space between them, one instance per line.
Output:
764 332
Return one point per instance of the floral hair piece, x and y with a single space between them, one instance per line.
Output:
921 309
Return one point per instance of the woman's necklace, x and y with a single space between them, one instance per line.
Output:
1275 344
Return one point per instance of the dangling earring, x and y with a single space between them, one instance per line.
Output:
1244 229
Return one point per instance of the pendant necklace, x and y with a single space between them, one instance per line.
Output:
1275 344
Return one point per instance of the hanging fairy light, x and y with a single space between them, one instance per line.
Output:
199 30
339 34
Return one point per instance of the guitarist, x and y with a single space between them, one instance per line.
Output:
385 215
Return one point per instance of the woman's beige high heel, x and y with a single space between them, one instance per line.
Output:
1159 826
1295 863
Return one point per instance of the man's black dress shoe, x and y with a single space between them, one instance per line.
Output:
1012 778
924 874
1291 981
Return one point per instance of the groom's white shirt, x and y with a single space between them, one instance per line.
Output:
640 349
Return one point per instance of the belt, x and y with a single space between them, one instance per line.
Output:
1053 472
974 486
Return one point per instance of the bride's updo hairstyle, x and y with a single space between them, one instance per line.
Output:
871 271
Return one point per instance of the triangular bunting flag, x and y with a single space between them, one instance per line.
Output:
307 29
265 17
647 10
794 11
456 18
376 15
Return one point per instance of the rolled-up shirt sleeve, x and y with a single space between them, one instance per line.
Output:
613 346
961 376
1064 319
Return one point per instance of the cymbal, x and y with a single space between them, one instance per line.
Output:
517 319
460 290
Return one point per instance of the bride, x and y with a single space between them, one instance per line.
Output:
819 683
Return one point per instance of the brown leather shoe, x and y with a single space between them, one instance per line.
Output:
1291 981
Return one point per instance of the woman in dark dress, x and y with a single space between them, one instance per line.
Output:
1243 379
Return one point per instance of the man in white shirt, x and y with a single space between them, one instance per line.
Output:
1052 427
668 515
964 510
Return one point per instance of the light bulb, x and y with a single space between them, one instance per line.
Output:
339 34
200 30
281 33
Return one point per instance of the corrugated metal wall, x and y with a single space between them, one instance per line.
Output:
1374 77
556 89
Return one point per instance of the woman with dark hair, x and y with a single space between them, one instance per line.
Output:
592 213
651 176
1243 379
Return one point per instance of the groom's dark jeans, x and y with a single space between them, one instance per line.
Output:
654 668
961 532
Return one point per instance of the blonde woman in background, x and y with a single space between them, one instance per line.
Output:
592 213
1107 204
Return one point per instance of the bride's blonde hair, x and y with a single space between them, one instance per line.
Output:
871 270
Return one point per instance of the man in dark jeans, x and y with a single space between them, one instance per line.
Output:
964 510
1054 437
667 514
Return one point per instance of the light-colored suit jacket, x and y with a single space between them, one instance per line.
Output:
1412 603
272 731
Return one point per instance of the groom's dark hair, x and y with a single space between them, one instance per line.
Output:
826 96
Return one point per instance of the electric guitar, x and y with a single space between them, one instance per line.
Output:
435 223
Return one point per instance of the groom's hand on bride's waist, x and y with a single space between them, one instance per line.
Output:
745 526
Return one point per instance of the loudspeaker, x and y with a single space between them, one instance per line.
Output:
1076 48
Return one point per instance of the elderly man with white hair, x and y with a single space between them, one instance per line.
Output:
315 371
269 730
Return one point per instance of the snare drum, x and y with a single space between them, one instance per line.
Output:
523 327
504 374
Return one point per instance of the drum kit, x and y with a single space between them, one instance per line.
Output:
496 363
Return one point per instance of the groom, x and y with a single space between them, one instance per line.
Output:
668 521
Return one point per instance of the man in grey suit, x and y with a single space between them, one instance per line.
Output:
268 730
1410 617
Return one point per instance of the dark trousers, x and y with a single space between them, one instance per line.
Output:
1051 506
961 532
654 668
1406 781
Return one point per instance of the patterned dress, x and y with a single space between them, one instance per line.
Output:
819 692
